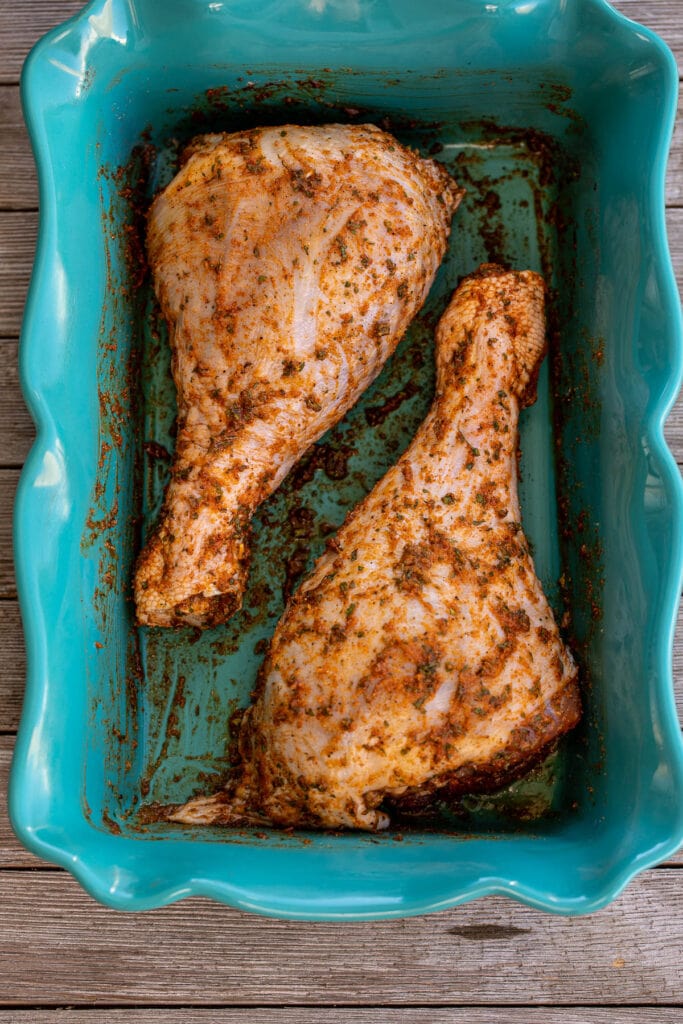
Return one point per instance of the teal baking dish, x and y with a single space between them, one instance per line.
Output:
557 118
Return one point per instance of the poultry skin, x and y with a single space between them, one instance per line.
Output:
288 262
421 654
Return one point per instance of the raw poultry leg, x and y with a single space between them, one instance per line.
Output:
288 262
421 652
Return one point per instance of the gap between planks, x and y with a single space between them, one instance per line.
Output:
344 1015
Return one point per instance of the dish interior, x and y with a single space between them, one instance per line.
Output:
555 116
163 716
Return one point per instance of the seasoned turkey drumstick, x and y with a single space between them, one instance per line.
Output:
288 262
421 653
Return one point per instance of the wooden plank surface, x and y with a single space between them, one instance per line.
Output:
351 1015
198 953
662 16
12 665
18 186
8 486
678 665
16 427
22 23
12 853
17 246
58 947
674 178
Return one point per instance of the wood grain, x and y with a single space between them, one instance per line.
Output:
673 431
674 178
12 665
199 953
58 947
16 427
353 1015
18 185
17 245
22 23
678 665
12 853
662 16
8 485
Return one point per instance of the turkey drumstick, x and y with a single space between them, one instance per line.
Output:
421 653
288 262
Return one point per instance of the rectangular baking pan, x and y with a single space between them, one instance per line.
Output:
557 118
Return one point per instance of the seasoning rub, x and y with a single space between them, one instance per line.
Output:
421 654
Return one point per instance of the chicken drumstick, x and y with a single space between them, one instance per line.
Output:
421 653
288 262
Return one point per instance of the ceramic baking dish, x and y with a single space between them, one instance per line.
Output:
557 118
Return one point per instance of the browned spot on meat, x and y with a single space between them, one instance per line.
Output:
403 667
513 620
412 569
493 664
407 472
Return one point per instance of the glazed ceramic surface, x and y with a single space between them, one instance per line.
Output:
557 118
